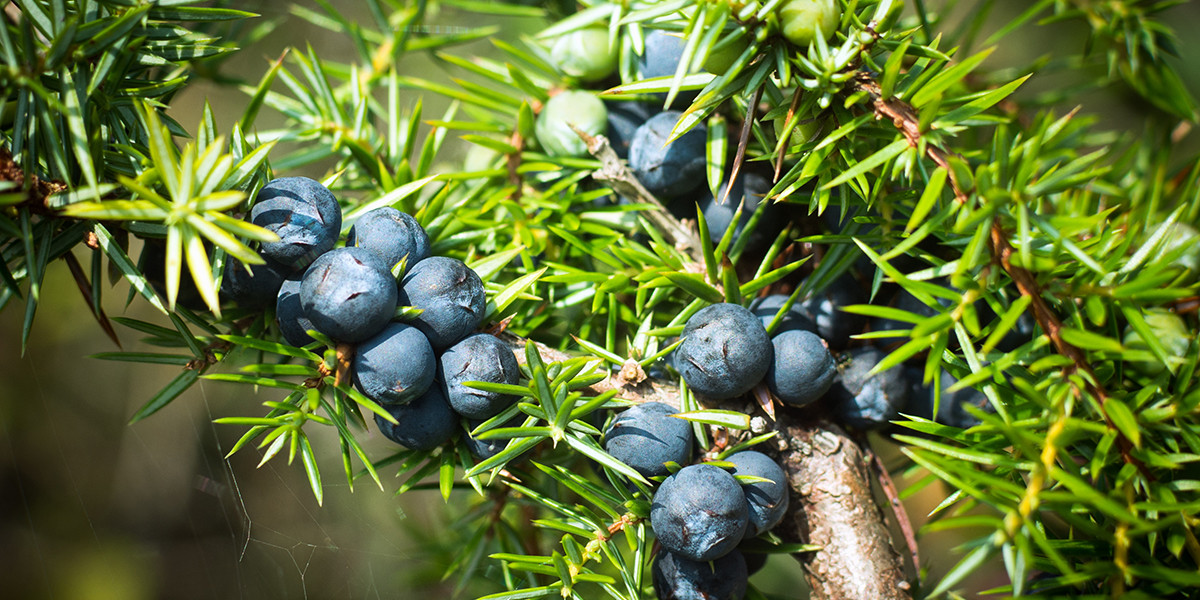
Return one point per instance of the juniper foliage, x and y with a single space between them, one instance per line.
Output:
992 208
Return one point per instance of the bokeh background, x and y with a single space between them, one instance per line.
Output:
92 507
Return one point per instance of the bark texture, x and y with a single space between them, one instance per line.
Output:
832 506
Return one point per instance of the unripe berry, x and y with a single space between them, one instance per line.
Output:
800 19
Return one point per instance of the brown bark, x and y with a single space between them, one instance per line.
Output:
831 505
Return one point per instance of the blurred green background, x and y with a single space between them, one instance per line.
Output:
91 507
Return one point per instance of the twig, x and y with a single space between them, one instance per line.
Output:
1002 251
622 181
905 119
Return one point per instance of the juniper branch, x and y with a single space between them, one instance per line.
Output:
831 500
904 117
